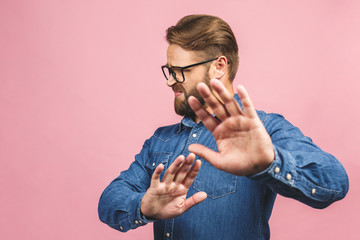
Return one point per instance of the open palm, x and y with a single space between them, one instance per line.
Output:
244 145
167 198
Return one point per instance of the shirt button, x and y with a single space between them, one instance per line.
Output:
194 135
313 191
277 170
288 176
121 228
136 222
140 222
153 164
167 235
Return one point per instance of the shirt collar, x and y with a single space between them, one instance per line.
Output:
188 122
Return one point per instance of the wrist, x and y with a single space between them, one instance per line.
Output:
264 163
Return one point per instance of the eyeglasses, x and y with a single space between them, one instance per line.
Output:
179 71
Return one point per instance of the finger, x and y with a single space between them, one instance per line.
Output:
246 101
206 153
232 107
155 178
208 120
194 200
171 171
212 101
182 172
192 173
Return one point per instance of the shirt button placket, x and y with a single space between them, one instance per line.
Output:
193 137
169 225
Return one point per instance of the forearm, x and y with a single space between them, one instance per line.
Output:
119 207
301 170
314 178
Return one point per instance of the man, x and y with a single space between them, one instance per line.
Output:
216 174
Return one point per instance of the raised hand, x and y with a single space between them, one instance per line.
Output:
245 147
167 198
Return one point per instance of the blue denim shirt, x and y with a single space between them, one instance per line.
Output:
236 207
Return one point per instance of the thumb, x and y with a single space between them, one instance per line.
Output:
194 200
205 153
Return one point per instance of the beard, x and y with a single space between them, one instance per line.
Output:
182 107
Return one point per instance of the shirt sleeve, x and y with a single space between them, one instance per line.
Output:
119 204
301 170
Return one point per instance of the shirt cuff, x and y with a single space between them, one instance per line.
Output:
142 218
139 219
278 170
132 216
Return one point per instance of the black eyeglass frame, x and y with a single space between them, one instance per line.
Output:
181 69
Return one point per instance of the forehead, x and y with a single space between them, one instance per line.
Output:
178 56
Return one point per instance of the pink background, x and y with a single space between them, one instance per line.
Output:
81 89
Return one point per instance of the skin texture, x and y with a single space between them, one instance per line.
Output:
245 148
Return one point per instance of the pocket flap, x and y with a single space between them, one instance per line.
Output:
157 159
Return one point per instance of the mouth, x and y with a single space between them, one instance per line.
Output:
177 90
178 93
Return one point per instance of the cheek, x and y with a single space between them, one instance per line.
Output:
189 89
193 78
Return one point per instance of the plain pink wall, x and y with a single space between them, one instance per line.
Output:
81 89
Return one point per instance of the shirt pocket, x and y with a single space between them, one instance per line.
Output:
214 182
156 159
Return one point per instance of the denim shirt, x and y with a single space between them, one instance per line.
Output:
236 207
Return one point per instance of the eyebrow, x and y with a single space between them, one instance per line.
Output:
171 66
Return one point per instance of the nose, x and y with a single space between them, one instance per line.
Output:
171 81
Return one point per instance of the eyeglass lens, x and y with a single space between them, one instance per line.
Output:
174 72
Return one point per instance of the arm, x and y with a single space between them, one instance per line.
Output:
285 160
135 196
301 170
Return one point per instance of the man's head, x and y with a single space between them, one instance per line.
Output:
195 39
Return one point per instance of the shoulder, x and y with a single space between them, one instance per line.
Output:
276 125
267 118
274 121
160 136
166 132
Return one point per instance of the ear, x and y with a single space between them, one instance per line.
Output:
220 69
